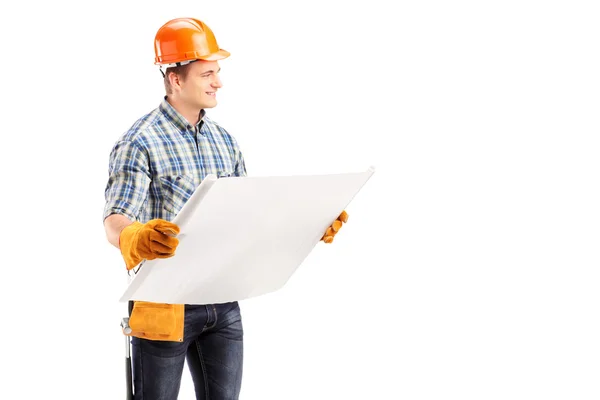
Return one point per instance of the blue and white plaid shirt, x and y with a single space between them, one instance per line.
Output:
157 164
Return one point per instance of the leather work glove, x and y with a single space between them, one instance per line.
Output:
335 227
157 321
151 240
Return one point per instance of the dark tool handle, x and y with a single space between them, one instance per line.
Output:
129 379
128 372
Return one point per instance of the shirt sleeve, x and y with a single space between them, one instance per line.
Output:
128 180
240 165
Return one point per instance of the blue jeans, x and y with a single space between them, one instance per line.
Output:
213 347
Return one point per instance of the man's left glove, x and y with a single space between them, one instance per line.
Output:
335 227
151 240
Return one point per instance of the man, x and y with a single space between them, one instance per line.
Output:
154 169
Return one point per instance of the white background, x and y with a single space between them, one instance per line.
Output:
469 266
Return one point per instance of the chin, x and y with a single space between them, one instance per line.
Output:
210 104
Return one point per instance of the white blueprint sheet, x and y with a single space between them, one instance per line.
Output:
244 236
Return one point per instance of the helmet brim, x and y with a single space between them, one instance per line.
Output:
219 55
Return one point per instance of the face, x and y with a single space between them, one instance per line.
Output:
198 90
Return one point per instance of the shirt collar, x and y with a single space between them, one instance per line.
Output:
178 120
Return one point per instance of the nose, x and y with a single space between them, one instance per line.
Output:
216 83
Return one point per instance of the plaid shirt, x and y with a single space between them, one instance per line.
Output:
158 163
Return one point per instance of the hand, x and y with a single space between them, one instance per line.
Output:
151 240
335 227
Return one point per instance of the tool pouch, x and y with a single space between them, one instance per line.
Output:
157 321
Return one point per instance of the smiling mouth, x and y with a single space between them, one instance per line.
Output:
211 93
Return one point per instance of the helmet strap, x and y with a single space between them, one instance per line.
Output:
177 64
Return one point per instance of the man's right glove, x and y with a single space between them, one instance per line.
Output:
151 240
335 227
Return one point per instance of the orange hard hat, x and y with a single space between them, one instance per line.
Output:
183 40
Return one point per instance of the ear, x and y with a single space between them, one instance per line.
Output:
174 80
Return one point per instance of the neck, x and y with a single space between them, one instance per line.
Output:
191 114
